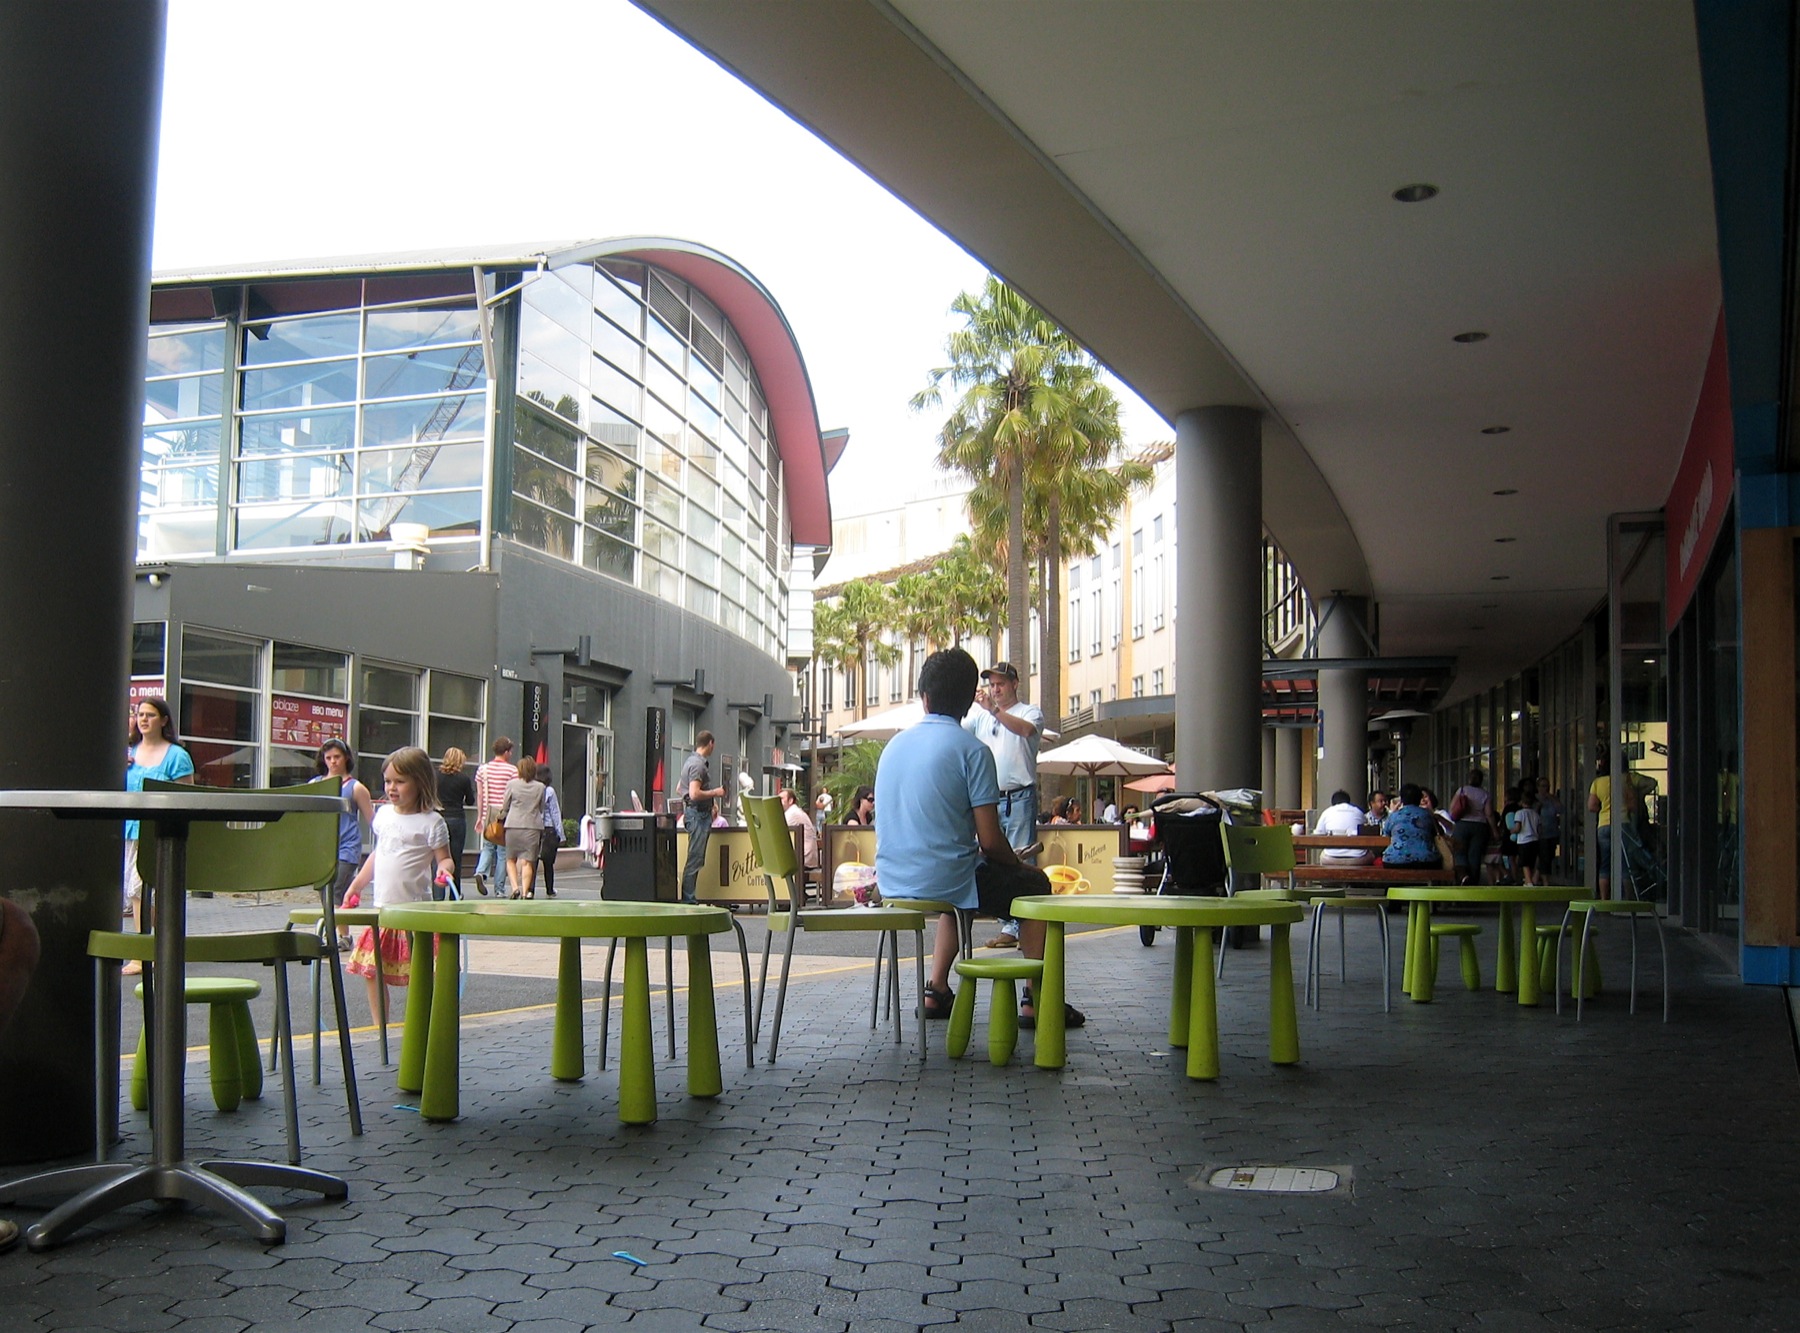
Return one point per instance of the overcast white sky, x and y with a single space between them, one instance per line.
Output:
342 128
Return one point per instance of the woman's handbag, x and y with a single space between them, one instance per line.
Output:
495 832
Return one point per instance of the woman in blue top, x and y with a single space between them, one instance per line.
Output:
335 760
151 753
1411 831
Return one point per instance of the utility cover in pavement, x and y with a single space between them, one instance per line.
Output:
1274 1179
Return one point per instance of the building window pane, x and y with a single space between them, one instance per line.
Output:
305 339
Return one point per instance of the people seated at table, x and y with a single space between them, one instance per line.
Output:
1377 807
809 836
941 836
1343 818
1428 800
862 806
1411 831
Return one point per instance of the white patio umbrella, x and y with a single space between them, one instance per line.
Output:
1097 756
886 724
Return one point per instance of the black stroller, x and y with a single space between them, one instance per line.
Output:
1188 828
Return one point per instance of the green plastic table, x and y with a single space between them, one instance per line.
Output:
429 1043
1193 1005
1417 977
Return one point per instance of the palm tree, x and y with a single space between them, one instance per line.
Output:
1073 492
1006 362
972 593
848 633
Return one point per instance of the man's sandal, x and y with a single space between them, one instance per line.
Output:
9 1235
938 1001
1072 1018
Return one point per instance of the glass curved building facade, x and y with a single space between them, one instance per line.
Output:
597 459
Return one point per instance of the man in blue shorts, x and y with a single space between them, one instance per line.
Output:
940 824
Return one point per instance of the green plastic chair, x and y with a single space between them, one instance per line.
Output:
774 847
295 851
1257 849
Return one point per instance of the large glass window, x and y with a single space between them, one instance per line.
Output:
387 714
352 421
184 406
221 707
456 713
674 445
308 705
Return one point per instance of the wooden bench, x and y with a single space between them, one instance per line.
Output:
1319 842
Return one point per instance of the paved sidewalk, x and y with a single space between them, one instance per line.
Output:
1503 1169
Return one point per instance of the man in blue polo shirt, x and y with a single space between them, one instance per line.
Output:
940 824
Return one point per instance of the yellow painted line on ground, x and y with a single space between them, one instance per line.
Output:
372 1029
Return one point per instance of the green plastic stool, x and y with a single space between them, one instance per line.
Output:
1549 944
1464 933
1003 1004
235 1063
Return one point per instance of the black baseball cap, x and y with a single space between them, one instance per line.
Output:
1005 670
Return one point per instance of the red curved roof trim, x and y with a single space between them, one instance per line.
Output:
785 385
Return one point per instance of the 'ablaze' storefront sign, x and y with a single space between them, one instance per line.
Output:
306 724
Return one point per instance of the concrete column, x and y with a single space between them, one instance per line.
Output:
1289 755
1268 766
1344 700
80 92
1218 644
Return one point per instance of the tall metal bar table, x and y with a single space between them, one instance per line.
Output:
104 1187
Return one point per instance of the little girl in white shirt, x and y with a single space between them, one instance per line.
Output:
411 842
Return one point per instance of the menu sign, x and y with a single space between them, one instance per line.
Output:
306 724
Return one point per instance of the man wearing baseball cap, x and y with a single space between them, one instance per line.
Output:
1012 730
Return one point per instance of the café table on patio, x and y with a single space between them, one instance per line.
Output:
1418 979
430 1040
1193 1004
104 1187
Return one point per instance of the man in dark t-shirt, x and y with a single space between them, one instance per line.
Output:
697 818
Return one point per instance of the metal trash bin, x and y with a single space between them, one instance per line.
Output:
640 858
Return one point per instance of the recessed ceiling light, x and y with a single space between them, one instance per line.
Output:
1499 578
1491 430
1472 336
1504 540
1415 194
1507 490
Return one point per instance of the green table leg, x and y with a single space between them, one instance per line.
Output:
1527 976
1203 1009
566 1063
438 1099
1182 996
1284 1027
1409 964
1424 978
704 1077
1052 1051
637 1075
414 1035
1506 960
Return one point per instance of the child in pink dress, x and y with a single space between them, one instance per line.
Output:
412 843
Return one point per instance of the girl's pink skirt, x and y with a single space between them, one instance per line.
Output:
396 955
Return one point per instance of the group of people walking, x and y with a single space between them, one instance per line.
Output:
529 819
